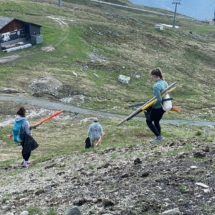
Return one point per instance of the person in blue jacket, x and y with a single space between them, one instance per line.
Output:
27 128
95 131
157 110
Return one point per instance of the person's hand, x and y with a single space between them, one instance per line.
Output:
33 127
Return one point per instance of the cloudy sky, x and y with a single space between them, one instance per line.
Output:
198 9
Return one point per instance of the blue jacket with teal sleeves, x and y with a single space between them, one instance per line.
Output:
159 86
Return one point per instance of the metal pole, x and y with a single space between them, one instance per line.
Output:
59 3
176 3
174 16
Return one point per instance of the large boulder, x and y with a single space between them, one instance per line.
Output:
47 85
53 87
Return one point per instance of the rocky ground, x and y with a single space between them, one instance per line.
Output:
142 179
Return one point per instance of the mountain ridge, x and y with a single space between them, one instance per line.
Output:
200 10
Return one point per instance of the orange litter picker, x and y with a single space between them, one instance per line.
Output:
100 138
42 120
49 117
175 108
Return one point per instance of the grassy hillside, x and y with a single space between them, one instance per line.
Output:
99 42
130 45
122 41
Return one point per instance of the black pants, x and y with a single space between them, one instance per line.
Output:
25 156
156 115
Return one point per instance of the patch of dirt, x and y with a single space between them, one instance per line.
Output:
9 59
117 181
48 48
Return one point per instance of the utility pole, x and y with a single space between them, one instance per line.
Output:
176 2
214 17
59 3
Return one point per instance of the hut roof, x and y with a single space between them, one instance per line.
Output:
6 20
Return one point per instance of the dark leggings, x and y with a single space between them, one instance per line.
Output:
25 156
156 116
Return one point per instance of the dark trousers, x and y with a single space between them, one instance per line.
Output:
156 115
25 156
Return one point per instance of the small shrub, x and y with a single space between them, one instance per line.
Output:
198 133
5 199
34 211
182 188
51 212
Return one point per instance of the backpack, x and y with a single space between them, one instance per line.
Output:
18 132
87 143
167 103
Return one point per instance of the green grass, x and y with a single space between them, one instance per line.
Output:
5 199
130 44
51 212
89 29
34 210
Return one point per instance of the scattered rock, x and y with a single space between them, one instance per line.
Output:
24 213
193 167
174 211
202 185
206 149
199 155
73 211
78 99
145 174
137 161
107 202
123 79
96 57
79 202
113 186
8 90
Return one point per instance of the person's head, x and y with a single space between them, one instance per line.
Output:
95 119
156 74
21 111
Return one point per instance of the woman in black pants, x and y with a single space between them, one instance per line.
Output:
21 114
157 110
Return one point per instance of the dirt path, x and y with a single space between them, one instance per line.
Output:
59 106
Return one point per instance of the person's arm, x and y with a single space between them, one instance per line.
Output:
157 94
101 130
26 127
35 125
89 131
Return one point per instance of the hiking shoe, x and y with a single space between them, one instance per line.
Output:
157 139
25 165
28 162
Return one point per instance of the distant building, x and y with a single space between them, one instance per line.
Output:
207 21
159 27
14 32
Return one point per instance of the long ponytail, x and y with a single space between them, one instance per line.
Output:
157 72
